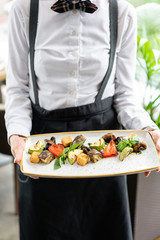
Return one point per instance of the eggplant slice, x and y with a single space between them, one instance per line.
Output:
78 139
85 149
46 157
94 155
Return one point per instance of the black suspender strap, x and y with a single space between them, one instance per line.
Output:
34 7
113 12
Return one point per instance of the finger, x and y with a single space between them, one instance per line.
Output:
158 145
18 156
34 177
158 169
17 161
147 173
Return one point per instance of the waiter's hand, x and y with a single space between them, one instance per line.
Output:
17 147
156 138
17 144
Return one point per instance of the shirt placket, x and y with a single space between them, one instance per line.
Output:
73 58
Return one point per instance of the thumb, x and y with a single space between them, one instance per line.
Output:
18 157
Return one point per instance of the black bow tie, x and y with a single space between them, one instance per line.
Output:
66 5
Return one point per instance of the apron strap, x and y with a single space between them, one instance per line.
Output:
34 7
113 10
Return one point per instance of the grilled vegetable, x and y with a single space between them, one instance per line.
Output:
76 145
85 149
78 139
47 146
50 142
46 157
94 155
38 147
126 151
119 139
72 155
99 145
139 146
53 139
82 159
121 145
134 140
35 157
56 149
110 150
61 159
108 137
66 141
130 142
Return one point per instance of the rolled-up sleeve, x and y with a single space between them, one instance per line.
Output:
18 106
130 113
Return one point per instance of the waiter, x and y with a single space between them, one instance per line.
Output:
71 68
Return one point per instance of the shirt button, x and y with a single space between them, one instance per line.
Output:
74 33
74 54
74 11
73 74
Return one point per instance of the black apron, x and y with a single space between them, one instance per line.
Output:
74 209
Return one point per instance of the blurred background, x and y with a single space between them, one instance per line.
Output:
9 229
144 198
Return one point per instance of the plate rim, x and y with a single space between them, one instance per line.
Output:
89 176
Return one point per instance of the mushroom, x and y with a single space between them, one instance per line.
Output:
108 137
139 147
94 155
119 139
50 142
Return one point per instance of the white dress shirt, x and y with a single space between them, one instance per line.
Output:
71 59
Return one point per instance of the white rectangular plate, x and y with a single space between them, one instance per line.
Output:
134 163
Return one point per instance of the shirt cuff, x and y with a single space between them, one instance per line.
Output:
17 130
151 128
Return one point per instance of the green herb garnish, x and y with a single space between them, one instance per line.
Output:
134 140
74 146
62 158
122 144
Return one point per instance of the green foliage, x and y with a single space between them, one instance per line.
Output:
148 54
137 3
149 23
151 66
